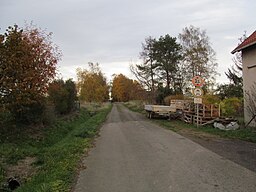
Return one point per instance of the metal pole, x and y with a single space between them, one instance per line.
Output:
197 111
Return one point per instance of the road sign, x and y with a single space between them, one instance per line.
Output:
198 100
198 81
198 92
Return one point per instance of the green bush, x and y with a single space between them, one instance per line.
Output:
63 95
29 113
23 113
231 106
49 117
5 116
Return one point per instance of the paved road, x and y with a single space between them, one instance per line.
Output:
134 155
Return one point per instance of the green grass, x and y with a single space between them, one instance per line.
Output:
58 152
248 134
136 106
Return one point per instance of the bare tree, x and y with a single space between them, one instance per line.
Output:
146 72
143 77
235 73
198 55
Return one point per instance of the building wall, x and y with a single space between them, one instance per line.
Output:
249 78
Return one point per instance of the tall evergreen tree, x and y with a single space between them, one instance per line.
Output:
168 55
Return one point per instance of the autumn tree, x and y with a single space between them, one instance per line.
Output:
198 55
125 89
92 84
137 91
63 95
28 61
120 88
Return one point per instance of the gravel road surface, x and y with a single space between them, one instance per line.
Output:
135 155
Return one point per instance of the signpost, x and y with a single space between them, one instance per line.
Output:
198 81
198 92
198 100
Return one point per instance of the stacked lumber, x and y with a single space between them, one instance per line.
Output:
206 113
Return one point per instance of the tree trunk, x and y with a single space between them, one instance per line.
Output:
168 79
152 82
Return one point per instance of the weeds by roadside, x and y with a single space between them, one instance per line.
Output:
178 126
56 150
136 106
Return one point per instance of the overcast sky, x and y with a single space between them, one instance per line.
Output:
110 32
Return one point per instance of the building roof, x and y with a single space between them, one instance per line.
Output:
251 40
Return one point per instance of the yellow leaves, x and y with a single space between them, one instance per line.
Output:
125 89
92 85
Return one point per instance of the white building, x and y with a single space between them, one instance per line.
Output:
248 49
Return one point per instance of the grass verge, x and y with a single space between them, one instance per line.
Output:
57 152
178 126
136 106
248 134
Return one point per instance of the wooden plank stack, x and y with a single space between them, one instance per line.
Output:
207 113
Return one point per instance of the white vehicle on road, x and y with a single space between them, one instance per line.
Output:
175 109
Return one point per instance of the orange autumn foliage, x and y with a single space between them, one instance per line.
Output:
27 64
125 89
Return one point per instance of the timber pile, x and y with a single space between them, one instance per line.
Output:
177 108
177 104
207 113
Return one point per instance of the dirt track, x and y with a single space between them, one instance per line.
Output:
133 154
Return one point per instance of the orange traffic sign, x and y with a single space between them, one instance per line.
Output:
198 81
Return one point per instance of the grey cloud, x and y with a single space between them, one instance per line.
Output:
111 31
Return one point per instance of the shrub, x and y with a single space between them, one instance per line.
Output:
5 116
28 113
48 117
63 95
231 106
